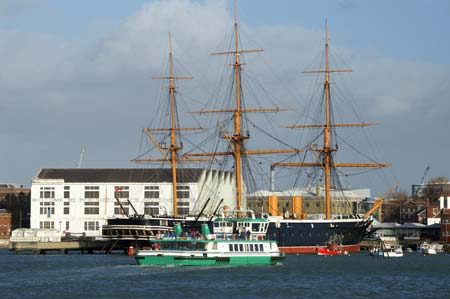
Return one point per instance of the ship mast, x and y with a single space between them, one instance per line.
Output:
327 151
173 148
236 140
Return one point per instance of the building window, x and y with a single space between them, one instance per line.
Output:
118 210
183 208
307 204
151 208
91 208
317 204
67 226
47 208
91 192
182 191
66 191
91 225
121 192
66 208
46 225
47 192
151 192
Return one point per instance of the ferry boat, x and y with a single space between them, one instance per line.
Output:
235 242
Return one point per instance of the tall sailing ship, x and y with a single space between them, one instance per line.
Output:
307 235
292 235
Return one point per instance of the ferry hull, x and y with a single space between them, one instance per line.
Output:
207 261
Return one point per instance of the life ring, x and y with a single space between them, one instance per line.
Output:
260 237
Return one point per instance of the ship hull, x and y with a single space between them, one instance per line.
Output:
306 236
292 236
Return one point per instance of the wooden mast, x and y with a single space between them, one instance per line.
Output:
174 147
326 163
237 139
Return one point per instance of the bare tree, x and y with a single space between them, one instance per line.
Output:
436 187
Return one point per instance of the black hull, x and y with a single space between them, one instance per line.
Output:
304 236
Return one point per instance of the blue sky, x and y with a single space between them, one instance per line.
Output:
67 67
404 29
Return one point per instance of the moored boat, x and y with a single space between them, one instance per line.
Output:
392 251
384 249
430 248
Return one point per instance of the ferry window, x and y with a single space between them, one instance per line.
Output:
261 247
251 247
236 247
255 227
241 247
230 247
256 247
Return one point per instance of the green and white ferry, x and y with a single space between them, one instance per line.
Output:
235 242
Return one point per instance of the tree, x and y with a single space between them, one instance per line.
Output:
391 208
436 187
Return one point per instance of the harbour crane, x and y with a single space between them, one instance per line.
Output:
418 190
379 202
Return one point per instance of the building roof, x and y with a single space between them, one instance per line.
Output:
120 175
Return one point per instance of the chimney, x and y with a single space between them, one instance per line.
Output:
441 202
273 205
297 206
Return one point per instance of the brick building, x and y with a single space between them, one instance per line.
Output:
5 224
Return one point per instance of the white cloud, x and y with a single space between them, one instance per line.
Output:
60 96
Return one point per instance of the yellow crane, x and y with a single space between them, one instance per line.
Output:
379 202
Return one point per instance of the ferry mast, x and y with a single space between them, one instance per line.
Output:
325 162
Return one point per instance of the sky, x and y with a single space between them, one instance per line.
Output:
77 75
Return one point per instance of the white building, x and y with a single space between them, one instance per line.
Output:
80 200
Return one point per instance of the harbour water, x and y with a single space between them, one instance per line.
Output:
302 276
